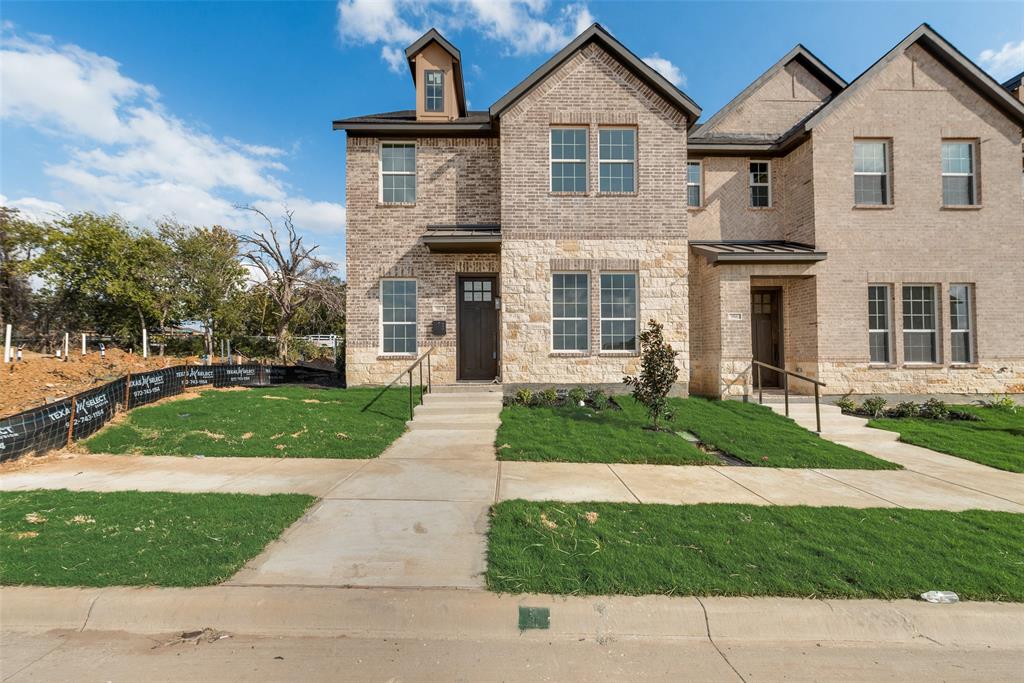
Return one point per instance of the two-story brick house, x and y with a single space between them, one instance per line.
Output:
869 233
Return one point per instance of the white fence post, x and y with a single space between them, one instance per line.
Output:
83 343
67 339
145 344
7 345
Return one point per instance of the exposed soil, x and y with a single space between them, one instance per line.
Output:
40 378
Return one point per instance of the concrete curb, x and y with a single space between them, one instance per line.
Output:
452 614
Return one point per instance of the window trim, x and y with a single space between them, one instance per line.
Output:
585 161
937 320
380 318
551 344
635 318
887 174
426 91
699 184
969 315
890 350
973 175
631 162
751 184
381 172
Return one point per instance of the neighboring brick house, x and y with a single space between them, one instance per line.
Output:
869 234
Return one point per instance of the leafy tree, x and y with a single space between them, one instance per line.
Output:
658 373
20 240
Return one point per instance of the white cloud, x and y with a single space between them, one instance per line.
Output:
1005 62
667 69
394 57
33 208
125 153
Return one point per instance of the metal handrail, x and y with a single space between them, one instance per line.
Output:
785 388
417 363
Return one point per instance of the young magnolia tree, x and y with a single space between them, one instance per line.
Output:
658 373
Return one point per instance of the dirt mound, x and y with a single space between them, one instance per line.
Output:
41 378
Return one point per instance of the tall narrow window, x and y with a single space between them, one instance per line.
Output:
919 323
568 159
398 172
618 159
962 346
398 316
570 319
433 94
879 339
618 312
693 184
958 186
760 184
870 173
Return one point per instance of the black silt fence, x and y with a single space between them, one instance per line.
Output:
61 423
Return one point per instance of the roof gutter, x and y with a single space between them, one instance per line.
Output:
413 128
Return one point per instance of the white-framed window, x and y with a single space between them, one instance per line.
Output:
568 159
617 157
570 312
920 324
433 91
870 172
961 337
398 316
879 323
959 186
398 172
694 184
618 312
760 184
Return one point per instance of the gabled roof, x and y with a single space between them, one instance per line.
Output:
953 59
597 33
818 68
434 36
1014 82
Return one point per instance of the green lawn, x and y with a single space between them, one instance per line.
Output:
750 550
571 434
757 435
746 431
996 441
130 538
296 422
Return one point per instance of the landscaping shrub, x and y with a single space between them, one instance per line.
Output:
524 397
577 396
847 405
599 400
1004 402
874 406
547 397
904 409
658 373
934 409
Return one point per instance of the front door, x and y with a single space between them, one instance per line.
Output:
766 332
477 333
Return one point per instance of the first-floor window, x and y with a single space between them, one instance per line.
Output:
693 184
961 348
570 319
618 312
878 323
398 316
919 324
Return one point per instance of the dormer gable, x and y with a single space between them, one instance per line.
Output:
436 67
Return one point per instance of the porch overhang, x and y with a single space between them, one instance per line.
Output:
719 252
477 238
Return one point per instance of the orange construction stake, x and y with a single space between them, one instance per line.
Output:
71 422
127 386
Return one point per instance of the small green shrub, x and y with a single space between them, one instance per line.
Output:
1004 402
964 415
524 397
577 395
600 400
658 373
847 405
874 406
547 397
904 409
935 409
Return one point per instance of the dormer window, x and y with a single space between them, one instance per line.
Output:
434 91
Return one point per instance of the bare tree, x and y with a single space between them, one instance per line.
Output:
291 274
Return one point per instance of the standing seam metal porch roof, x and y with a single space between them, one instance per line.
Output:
756 251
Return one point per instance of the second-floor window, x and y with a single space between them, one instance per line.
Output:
958 186
433 95
618 159
693 184
398 172
870 173
568 159
760 184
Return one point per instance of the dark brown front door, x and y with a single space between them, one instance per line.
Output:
478 327
766 332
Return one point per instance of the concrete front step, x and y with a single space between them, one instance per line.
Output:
455 400
466 388
454 420
464 408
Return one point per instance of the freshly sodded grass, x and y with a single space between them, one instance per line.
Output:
759 436
633 549
131 538
572 434
295 422
996 441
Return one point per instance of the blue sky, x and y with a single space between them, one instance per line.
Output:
188 109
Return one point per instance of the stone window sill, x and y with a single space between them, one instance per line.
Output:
882 366
695 208
962 207
923 366
568 194
619 354
873 207
964 366
569 354
396 356
760 208
618 194
396 205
